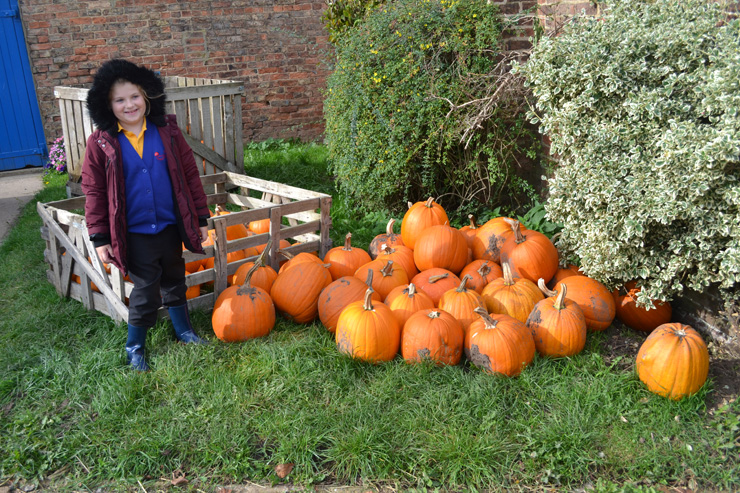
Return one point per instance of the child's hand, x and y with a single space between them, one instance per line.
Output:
105 253
203 233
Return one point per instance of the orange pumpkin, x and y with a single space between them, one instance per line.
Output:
263 277
243 312
405 300
388 238
530 254
419 217
461 303
293 260
402 255
639 317
337 295
432 334
498 343
470 230
368 330
260 226
489 238
481 273
435 282
596 302
673 361
562 273
296 290
557 324
512 296
345 260
441 246
387 275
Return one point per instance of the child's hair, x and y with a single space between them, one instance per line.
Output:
113 71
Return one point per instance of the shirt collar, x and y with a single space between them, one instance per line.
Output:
131 134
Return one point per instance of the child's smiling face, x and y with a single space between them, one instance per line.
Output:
129 105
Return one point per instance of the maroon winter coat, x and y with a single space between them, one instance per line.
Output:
103 186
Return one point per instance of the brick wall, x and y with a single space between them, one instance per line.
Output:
275 47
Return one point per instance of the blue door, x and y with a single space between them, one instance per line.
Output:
22 141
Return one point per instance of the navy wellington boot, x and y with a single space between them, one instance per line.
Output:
183 329
135 348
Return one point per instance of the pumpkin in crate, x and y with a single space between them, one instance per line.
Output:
243 312
441 246
557 324
345 260
387 275
489 238
639 317
419 217
432 334
402 255
195 265
461 303
481 273
673 361
405 300
260 226
263 277
513 296
596 302
498 343
435 282
530 254
297 287
368 330
388 238
338 294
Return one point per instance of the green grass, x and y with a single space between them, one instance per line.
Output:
72 414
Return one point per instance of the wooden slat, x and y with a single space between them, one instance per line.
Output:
203 91
237 131
325 226
217 124
272 187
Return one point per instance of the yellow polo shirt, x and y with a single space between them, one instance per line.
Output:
137 141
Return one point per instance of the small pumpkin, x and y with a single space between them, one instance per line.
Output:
596 302
402 255
498 343
368 330
557 324
562 273
435 282
470 230
419 217
345 260
639 317
432 334
243 312
481 273
512 296
673 361
405 300
296 289
388 238
387 275
461 303
530 254
441 246
337 295
263 277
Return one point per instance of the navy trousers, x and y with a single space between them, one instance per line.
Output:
157 270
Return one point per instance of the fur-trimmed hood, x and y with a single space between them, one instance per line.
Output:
98 104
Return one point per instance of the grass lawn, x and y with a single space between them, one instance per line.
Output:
73 417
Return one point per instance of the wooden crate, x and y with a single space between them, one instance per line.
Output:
208 112
300 216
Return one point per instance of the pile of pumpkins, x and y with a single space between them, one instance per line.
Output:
494 292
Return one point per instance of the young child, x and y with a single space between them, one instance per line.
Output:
144 198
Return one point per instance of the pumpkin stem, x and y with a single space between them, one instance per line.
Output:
348 242
473 225
411 290
429 202
560 300
484 270
438 277
508 276
516 227
262 259
389 227
410 204
368 304
246 287
462 288
490 321
386 249
543 287
387 269
433 314
369 280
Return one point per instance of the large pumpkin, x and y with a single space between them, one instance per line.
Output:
557 324
345 260
388 238
500 344
595 301
296 290
419 217
405 300
461 303
513 296
337 295
639 317
673 361
432 334
435 282
243 312
368 330
529 253
441 246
